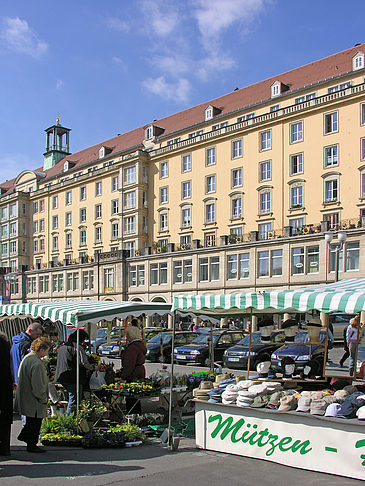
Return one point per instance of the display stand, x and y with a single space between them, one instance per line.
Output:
315 443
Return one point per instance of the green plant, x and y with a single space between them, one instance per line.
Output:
92 412
59 424
132 432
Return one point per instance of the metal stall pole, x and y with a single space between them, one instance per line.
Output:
77 374
249 349
170 435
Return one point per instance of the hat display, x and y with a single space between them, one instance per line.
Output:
287 403
318 406
350 389
260 401
289 327
266 327
222 377
340 395
332 410
304 403
311 370
263 369
361 413
274 401
206 385
288 367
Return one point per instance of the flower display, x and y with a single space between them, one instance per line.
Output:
135 388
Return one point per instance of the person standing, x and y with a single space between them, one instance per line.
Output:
346 354
67 367
133 360
31 396
6 396
351 338
21 345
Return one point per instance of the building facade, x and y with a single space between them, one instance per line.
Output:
234 194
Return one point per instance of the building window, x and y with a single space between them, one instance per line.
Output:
82 237
210 156
362 114
68 219
295 225
236 208
238 266
13 212
246 117
109 279
35 207
236 178
115 231
331 156
98 211
362 184
313 259
57 283
307 97
55 243
210 212
331 190
129 225
68 240
296 196
68 198
208 114
352 255
274 108
163 222
297 261
270 263
130 175
264 230
164 195
186 217
87 280
331 122
296 164
136 275
186 163
265 140
208 269
164 169
129 200
43 284
4 230
210 184
98 234
158 273
82 193
296 132
55 202
115 206
4 212
82 215
265 171
149 133
186 190
358 61
115 183
236 149
333 219
265 202
98 188
185 242
362 148
13 227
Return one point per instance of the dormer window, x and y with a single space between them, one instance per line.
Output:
211 111
149 133
104 151
278 88
67 165
358 61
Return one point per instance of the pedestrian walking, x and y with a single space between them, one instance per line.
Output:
6 396
21 345
31 397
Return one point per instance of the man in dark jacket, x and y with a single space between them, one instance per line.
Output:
133 360
21 345
6 396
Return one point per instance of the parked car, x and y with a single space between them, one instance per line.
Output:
198 351
112 350
237 356
301 352
101 334
339 322
165 338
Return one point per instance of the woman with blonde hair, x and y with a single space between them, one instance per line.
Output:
31 397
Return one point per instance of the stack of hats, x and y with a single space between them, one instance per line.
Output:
219 385
256 394
288 403
322 402
351 405
266 327
230 393
289 327
201 393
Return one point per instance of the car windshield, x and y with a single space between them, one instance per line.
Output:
166 338
303 337
256 338
101 332
204 339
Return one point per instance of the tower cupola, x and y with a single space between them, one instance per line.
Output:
57 144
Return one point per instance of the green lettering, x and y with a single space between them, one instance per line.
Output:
262 434
283 442
271 441
302 446
228 427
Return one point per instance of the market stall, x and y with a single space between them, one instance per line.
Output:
305 440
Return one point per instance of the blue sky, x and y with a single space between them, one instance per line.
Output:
108 67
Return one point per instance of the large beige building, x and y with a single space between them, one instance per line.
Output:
236 193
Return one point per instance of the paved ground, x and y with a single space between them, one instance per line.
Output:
149 465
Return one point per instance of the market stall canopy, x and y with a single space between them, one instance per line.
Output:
78 313
346 296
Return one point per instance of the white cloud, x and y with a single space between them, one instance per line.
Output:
119 62
161 16
214 62
18 36
60 84
172 64
177 91
215 16
117 24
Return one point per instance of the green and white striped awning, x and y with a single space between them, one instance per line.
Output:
78 313
344 296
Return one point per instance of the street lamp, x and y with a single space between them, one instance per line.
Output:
11 280
341 236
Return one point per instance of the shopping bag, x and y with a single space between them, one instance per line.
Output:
52 393
97 379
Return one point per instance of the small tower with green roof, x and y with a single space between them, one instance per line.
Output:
57 146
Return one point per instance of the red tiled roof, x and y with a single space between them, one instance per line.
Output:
301 77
